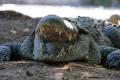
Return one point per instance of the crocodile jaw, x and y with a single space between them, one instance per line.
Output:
64 31
54 34
57 32
77 51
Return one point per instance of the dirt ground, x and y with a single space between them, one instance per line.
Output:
15 27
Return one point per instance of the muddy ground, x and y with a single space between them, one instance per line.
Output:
15 27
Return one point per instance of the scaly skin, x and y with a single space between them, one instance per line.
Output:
106 36
89 39
83 48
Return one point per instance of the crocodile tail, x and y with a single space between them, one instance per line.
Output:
114 35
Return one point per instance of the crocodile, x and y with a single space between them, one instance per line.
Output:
59 39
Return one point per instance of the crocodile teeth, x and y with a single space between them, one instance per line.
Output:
58 56
62 50
60 32
70 37
61 54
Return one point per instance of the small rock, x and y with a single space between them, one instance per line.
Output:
13 31
29 73
26 30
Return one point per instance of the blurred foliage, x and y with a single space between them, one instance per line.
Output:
106 3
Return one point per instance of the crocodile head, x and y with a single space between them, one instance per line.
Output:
56 39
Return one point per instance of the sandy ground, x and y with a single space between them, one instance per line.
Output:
15 27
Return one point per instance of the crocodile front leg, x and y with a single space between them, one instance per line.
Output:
14 48
26 49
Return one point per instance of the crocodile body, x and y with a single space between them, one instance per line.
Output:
83 39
